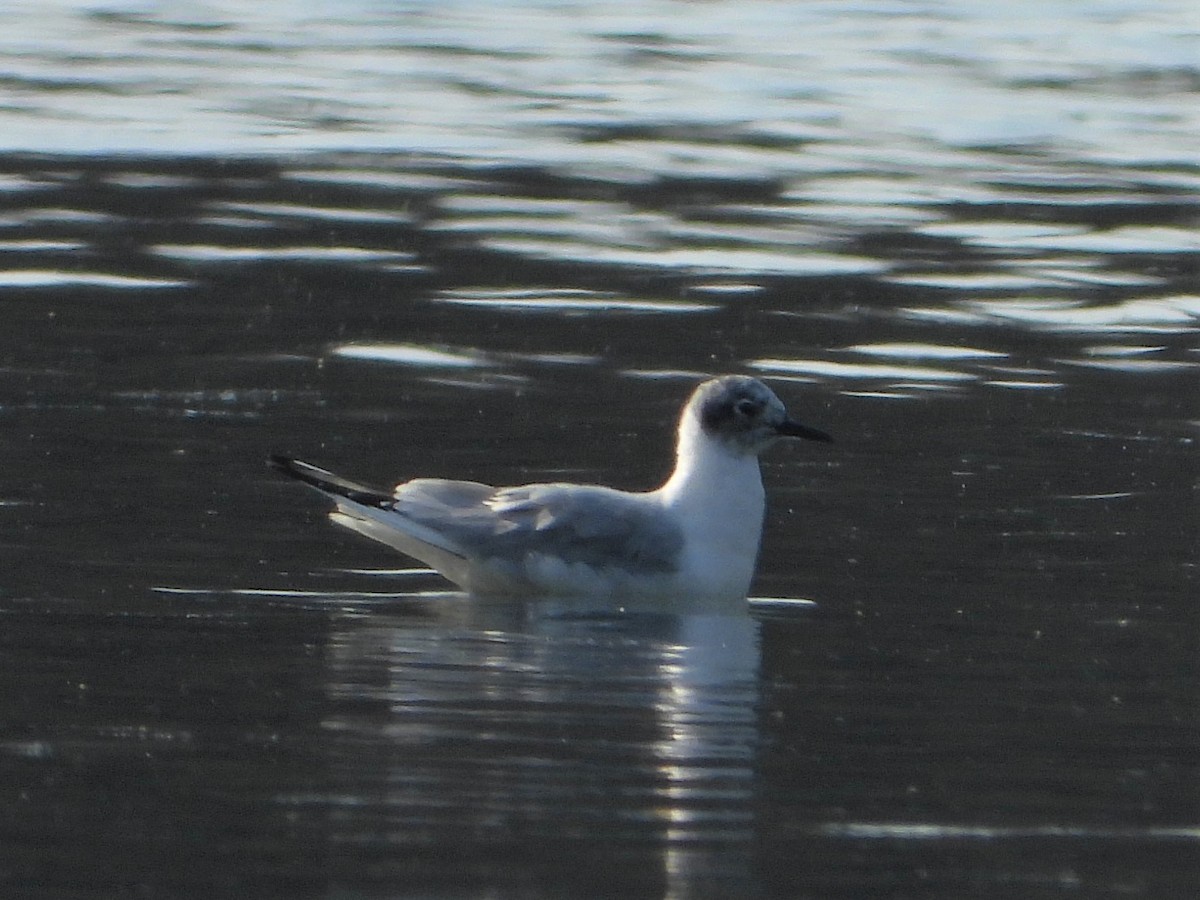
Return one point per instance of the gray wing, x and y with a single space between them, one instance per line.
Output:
580 524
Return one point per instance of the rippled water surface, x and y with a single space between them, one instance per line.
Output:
501 241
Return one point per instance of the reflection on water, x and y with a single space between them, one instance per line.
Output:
536 724
501 242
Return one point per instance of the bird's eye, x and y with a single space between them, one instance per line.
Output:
747 408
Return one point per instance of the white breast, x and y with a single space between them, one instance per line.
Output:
717 499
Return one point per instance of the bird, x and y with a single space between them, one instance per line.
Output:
697 536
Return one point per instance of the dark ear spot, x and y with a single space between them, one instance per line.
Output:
716 413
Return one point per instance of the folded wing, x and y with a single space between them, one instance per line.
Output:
595 526
474 533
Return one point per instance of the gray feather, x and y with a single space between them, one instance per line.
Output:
596 526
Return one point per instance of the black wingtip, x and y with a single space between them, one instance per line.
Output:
301 471
329 483
280 463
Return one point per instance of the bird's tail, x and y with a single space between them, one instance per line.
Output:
328 483
371 512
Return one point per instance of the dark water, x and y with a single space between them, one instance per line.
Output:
501 243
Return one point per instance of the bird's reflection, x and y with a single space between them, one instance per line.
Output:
486 726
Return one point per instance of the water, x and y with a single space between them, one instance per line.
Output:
501 241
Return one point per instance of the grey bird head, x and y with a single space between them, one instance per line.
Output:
744 414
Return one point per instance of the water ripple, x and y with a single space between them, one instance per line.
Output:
565 302
411 355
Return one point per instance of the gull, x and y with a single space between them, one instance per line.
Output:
696 536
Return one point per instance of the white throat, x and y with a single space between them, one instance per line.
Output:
717 495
